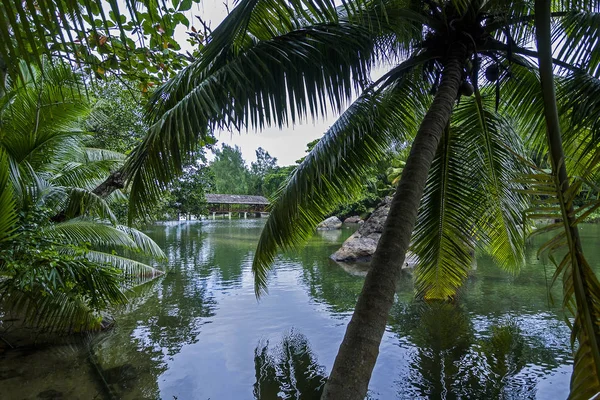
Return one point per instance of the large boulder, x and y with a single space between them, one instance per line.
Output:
330 223
361 245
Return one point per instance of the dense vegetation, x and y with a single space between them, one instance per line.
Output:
64 254
496 128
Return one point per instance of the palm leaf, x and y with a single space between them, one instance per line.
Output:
8 213
268 65
502 150
443 239
80 231
335 169
469 200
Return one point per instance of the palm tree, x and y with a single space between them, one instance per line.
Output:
62 258
273 63
581 286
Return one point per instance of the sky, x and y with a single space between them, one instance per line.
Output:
287 144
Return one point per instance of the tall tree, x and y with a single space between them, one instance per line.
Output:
581 286
229 171
265 164
189 190
116 119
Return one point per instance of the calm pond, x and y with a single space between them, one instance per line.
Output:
198 332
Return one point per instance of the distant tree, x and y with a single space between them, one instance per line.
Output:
229 170
188 194
264 165
309 147
275 178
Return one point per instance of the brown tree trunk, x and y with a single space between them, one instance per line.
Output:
349 379
115 181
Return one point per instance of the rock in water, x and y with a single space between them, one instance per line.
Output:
330 223
361 246
355 219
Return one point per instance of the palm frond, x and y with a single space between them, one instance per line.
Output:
84 202
577 97
443 240
40 119
469 200
335 169
79 231
8 213
268 63
502 151
576 38
143 242
134 271
87 167
580 284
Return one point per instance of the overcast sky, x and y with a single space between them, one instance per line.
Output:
288 144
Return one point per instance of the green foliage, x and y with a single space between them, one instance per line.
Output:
274 179
229 170
188 192
7 202
64 259
116 119
264 165
134 39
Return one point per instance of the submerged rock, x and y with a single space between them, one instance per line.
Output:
330 235
330 223
360 247
355 219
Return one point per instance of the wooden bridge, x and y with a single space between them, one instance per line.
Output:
222 204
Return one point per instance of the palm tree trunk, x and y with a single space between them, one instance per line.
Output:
115 181
589 332
349 379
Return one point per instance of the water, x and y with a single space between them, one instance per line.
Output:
199 333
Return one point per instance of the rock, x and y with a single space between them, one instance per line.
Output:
355 219
361 245
330 223
357 248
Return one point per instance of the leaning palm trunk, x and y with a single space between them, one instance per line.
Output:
358 352
580 280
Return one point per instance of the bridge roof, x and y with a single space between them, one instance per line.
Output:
235 199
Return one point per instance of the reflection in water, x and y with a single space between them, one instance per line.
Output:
193 333
289 371
442 335
451 360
